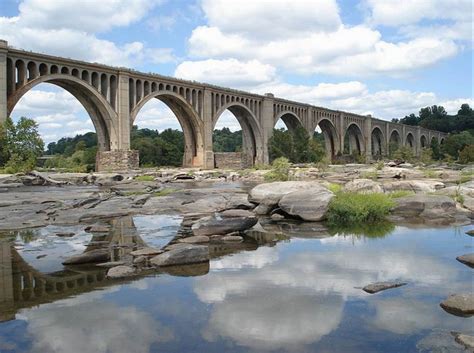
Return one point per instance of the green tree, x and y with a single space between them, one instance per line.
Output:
454 143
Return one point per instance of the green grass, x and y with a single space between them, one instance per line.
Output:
164 192
430 173
466 176
144 178
280 170
400 193
370 175
335 188
370 230
354 208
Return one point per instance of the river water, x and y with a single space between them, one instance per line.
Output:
300 292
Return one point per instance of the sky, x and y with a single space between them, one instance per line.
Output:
388 58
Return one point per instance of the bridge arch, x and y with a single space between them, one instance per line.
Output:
252 140
410 141
188 120
354 139
101 113
331 138
394 141
290 119
423 141
377 142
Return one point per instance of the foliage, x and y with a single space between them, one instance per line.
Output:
466 155
20 145
333 187
426 156
379 165
370 175
430 173
350 208
280 170
296 146
400 193
164 192
404 153
454 143
371 230
225 140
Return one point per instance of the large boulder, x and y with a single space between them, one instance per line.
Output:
270 193
310 205
224 222
93 256
417 186
363 186
459 304
120 271
185 254
431 207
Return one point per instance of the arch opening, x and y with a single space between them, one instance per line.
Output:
354 142
180 141
410 141
377 141
423 141
394 142
326 133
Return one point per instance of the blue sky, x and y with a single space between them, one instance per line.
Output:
381 57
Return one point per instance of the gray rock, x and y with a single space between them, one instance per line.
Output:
466 340
459 304
363 186
433 207
195 239
236 213
262 209
111 264
187 254
97 229
277 217
146 252
219 223
175 246
467 259
310 205
470 232
93 256
380 286
270 193
417 186
140 260
65 234
120 271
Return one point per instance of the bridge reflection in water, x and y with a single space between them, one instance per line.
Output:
23 286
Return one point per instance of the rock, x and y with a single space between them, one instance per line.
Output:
470 232
363 186
232 238
380 286
37 178
426 206
195 239
236 213
140 260
187 254
459 304
141 200
93 256
467 259
97 229
270 193
175 246
65 234
277 217
310 205
466 340
120 271
146 252
417 186
262 209
224 223
111 264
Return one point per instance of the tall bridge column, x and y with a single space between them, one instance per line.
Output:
368 139
267 125
3 80
208 128
6 283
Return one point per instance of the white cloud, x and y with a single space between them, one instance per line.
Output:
395 13
40 21
229 72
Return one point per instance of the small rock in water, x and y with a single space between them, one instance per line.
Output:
467 259
65 234
459 304
187 254
380 286
466 340
232 238
195 239
470 232
93 256
120 271
277 217
41 256
146 252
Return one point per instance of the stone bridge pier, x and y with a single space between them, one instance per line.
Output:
113 97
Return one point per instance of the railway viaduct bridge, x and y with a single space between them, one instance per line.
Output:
113 96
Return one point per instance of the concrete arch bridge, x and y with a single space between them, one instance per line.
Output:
114 96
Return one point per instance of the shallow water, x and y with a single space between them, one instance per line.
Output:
300 294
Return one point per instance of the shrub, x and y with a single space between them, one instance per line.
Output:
335 188
280 170
349 207
379 165
144 178
400 193
466 155
404 153
426 156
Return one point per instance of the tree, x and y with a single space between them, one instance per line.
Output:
411 119
453 144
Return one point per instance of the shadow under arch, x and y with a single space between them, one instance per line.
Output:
252 140
355 139
410 141
331 138
377 139
188 120
100 111
394 141
423 141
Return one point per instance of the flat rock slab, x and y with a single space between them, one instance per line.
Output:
93 256
97 229
380 286
467 259
146 252
232 238
120 271
220 224
187 254
459 305
466 340
270 193
310 205
111 264
195 239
